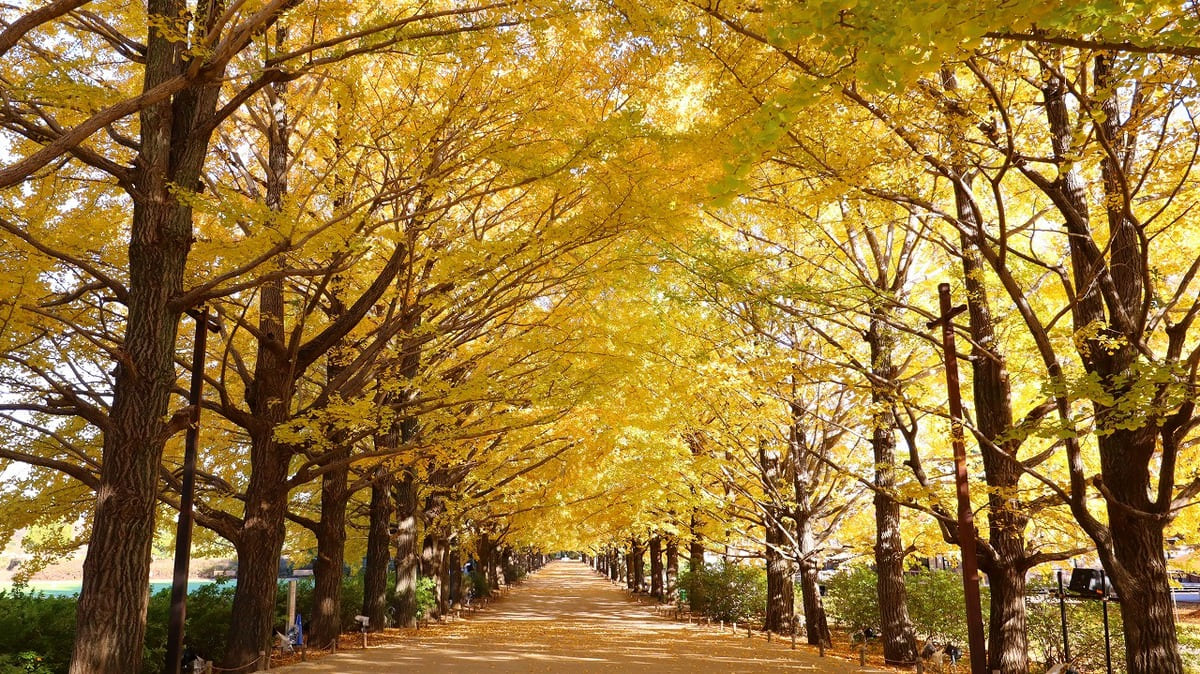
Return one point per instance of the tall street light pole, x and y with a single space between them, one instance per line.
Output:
183 536
966 518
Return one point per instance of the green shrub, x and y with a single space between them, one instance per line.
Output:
728 592
26 662
37 632
935 602
426 596
937 605
852 598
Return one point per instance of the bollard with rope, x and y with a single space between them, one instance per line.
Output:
254 665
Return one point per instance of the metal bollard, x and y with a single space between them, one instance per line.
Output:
747 630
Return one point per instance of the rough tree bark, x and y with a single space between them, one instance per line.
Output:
899 641
260 537
111 611
404 494
780 591
331 547
696 601
637 565
454 575
656 567
379 540
672 567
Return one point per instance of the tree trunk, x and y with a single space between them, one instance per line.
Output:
899 642
262 531
111 615
331 546
260 542
405 495
1131 548
1129 457
780 589
111 611
1008 644
375 575
637 564
496 568
431 568
656 568
454 575
1140 578
816 624
696 601
1006 620
488 561
672 567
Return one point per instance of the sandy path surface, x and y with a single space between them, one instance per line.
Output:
565 618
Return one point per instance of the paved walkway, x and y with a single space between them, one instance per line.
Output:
565 618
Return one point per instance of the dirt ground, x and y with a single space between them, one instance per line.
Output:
565 618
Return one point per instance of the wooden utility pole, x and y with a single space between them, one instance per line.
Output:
966 518
183 535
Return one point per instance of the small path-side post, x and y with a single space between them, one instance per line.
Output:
966 519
